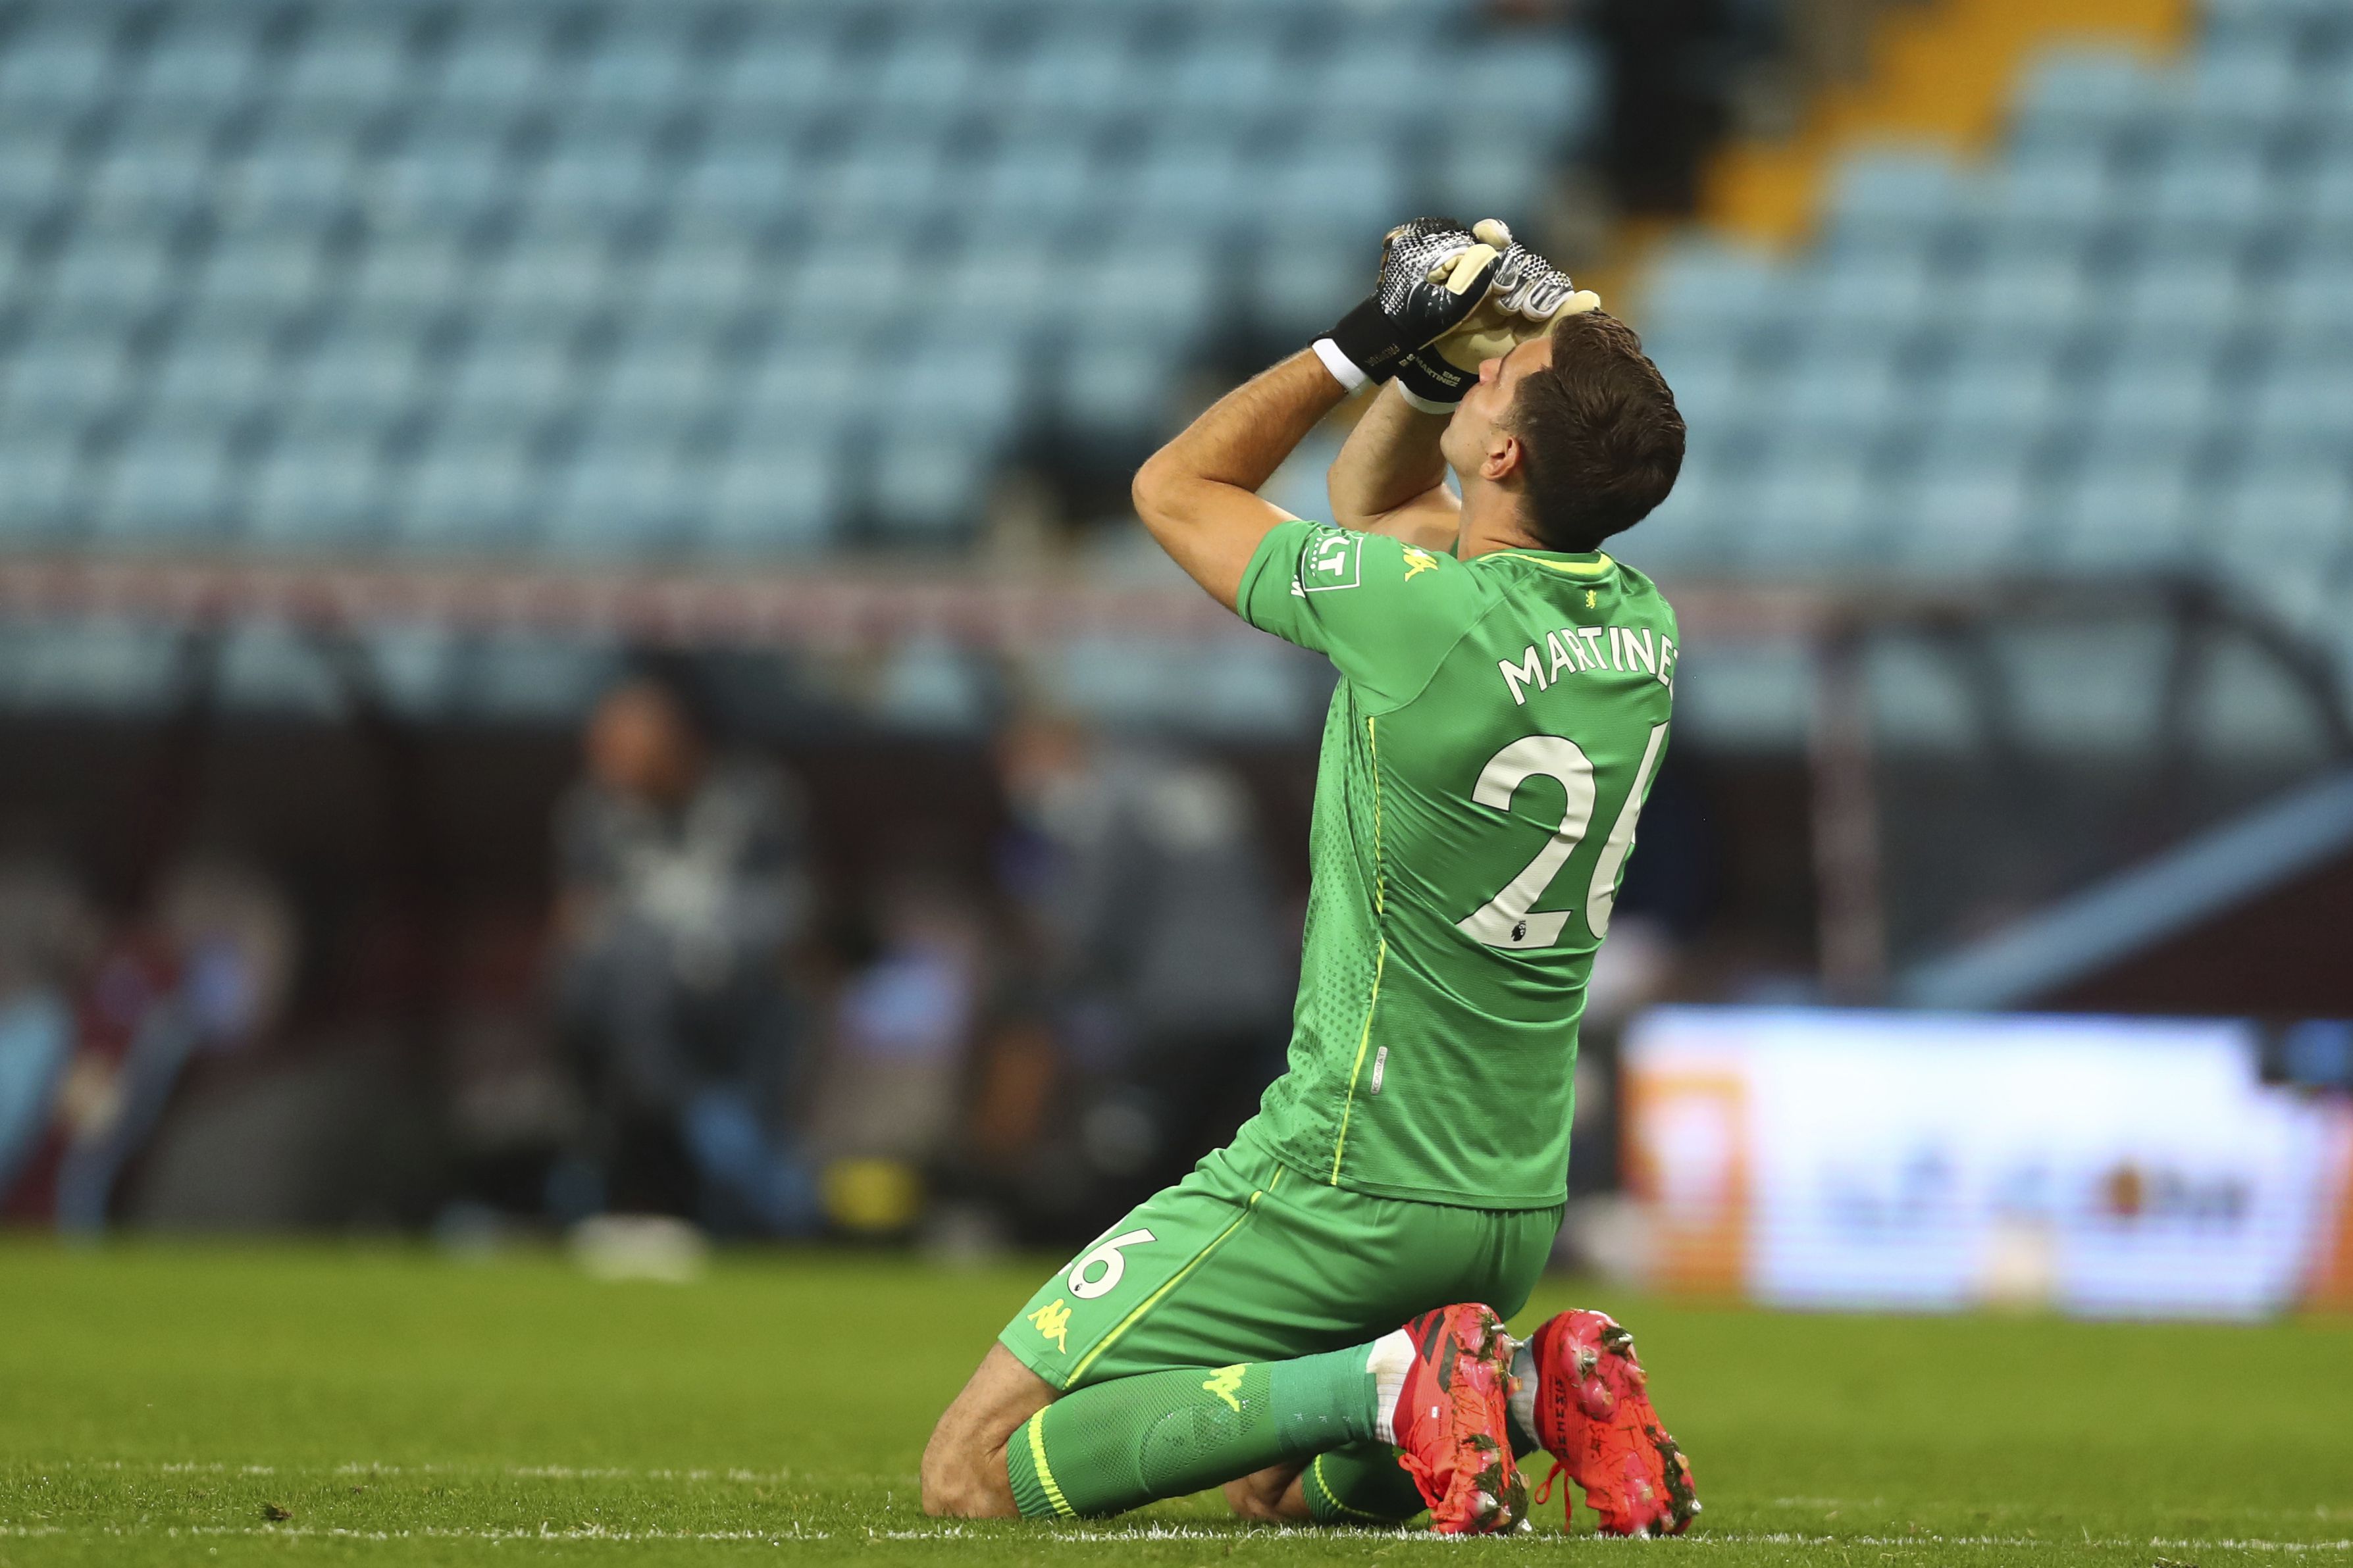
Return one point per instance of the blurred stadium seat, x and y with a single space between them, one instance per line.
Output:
372 213
2125 337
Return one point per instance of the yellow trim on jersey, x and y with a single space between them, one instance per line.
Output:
1380 955
1348 1106
1152 1300
1045 1471
1600 565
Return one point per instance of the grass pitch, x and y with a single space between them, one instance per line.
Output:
386 1406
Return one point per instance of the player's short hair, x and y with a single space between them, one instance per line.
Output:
1603 437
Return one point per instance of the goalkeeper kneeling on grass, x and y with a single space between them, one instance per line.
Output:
1314 1317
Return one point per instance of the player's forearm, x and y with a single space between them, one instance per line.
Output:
1389 477
1199 494
1240 440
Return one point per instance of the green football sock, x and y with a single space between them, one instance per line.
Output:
1362 1485
1165 1433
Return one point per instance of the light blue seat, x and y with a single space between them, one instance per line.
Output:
1357 189
695 283
976 385
1872 292
1705 377
2156 398
317 495
1546 83
109 278
778 496
751 184
497 64
619 499
2323 205
1115 385
2026 295
1803 511
2299 407
2053 196
1168 292
2286 517
812 388
147 184
2133 514
358 376
2079 95
660 386
2240 84
1297 290
1975 518
2220 192
408 275
1184 188
164 488
508 382
60 64
1223 72
931 483
590 184
41 482
544 286
444 181
62 377
2310 309
2002 384
1083 69
203 378
1006 284
877 176
2168 287
637 74
290 184
1029 184
203 70
352 60
31 180
925 73
1701 292
1356 81
468 492
1893 192
258 277
1488 167
1850 397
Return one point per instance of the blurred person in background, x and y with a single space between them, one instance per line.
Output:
683 883
902 1028
47 935
211 971
1165 960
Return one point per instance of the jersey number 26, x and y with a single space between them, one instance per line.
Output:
1509 918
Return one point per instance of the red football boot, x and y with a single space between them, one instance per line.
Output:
1451 1422
1595 1420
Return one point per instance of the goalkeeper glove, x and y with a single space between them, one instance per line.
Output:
1529 296
1434 273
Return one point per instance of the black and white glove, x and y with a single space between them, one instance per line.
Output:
1530 296
1434 273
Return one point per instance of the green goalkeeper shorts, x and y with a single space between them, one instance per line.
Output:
1247 1260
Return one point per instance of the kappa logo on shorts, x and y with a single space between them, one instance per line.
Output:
1226 1383
1053 1321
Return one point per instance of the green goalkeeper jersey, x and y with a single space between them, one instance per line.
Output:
1496 727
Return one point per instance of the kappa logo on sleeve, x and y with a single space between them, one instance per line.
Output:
1333 561
1053 1322
1417 561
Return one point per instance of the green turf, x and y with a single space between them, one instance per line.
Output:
168 1405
